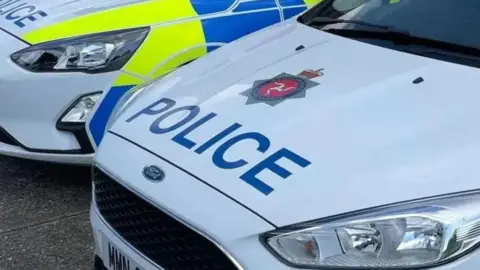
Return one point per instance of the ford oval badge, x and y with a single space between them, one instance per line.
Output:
153 173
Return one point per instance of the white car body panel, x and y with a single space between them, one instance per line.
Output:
362 117
366 129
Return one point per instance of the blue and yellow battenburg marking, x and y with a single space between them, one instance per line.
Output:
220 21
221 140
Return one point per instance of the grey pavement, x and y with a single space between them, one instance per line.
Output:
44 222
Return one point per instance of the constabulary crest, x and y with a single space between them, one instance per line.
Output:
281 87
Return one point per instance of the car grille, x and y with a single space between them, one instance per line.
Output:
159 237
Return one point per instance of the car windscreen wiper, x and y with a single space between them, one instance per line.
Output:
396 36
322 21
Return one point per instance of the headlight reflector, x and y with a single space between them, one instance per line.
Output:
101 52
410 235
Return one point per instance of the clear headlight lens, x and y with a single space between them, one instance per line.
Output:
101 52
409 235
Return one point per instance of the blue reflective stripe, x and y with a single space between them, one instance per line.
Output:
291 12
203 7
229 28
287 3
255 5
102 114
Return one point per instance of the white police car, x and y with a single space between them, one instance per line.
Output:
327 142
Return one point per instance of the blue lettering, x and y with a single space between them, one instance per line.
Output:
218 155
164 108
204 147
180 137
149 110
192 112
31 17
11 15
20 12
5 12
250 176
6 4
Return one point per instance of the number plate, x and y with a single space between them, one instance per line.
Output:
115 259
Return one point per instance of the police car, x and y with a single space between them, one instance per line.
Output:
343 139
62 59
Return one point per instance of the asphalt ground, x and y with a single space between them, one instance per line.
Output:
44 219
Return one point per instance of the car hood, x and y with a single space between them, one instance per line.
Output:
22 16
378 127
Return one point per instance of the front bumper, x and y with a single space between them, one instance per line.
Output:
186 199
65 158
249 251
200 206
31 104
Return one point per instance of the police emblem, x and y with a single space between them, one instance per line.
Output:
281 87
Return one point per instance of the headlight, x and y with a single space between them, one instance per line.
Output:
91 53
409 235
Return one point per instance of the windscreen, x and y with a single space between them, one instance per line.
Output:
453 21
